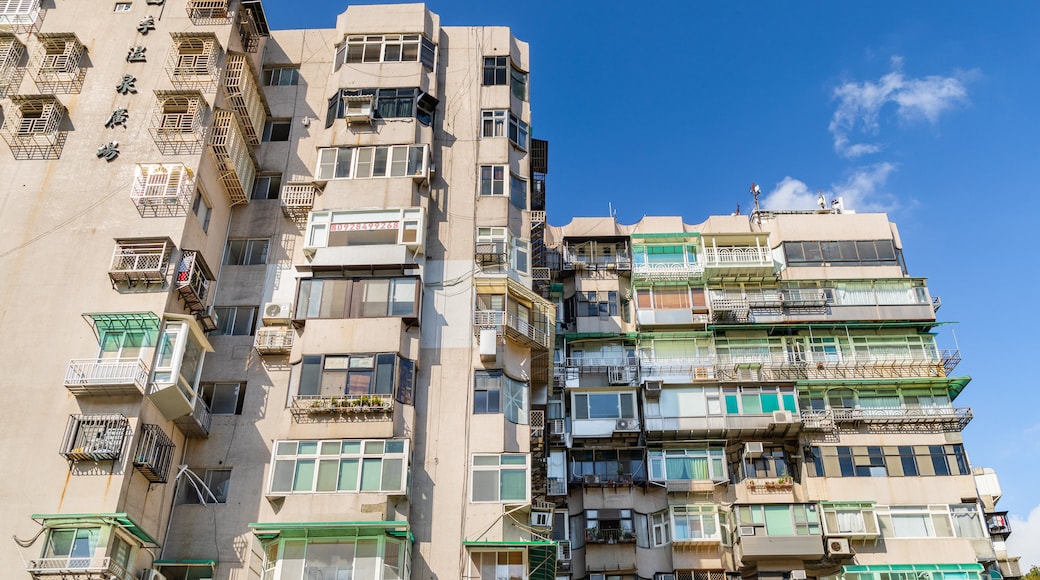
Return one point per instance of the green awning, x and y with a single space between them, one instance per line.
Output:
268 531
120 519
954 385
103 322
975 567
674 335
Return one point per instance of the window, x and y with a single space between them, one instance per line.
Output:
772 463
72 547
276 131
687 464
603 304
356 374
493 123
403 103
235 320
224 398
386 48
216 480
495 70
495 392
778 520
247 252
330 558
670 298
967 520
518 132
202 210
854 519
492 180
518 83
660 529
266 186
358 298
604 406
340 466
369 162
889 461
843 253
282 76
498 478
609 526
125 344
327 229
608 465
759 400
690 402
695 522
517 191
924 521
508 565
122 7
178 360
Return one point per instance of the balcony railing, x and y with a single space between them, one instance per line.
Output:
274 340
688 369
195 424
952 419
11 50
374 407
71 568
193 279
232 156
737 256
163 190
607 479
106 376
34 127
21 16
609 536
666 271
515 328
783 367
208 12
134 262
537 217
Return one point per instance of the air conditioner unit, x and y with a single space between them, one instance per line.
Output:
782 417
591 479
753 448
150 574
798 575
540 519
838 547
277 313
557 427
653 389
626 425
747 530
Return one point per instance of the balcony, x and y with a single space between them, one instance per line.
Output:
11 71
195 425
208 12
135 261
193 61
383 237
55 64
516 329
95 437
779 423
21 17
179 122
245 98
164 190
782 367
749 262
763 547
33 127
106 377
274 340
193 280
297 199
677 370
910 419
601 535
667 271
154 454
597 255
608 479
612 370
356 407
232 156
72 568
252 24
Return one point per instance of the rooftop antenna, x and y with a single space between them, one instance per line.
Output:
610 210
821 201
755 192
738 210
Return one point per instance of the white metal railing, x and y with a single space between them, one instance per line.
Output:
273 339
149 259
202 414
556 486
667 270
500 319
297 199
71 567
163 185
737 255
107 371
20 13
342 403
585 362
537 217
697 368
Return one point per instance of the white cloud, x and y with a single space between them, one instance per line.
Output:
1025 539
859 105
863 190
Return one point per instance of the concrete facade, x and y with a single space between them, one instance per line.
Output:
306 320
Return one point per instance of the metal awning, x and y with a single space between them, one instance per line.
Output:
541 555
954 385
269 531
121 519
103 322
975 567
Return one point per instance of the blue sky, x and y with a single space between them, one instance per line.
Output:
927 110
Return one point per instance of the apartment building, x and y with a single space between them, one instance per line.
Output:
306 320
758 396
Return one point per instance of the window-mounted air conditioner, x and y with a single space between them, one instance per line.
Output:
277 313
653 389
753 448
782 417
358 109
747 530
591 479
838 547
798 575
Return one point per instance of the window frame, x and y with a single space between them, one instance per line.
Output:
347 50
934 518
519 132
714 457
360 457
230 320
253 251
493 123
356 298
492 180
498 468
208 392
702 513
266 186
320 372
831 515
211 476
386 158
495 71
276 131
760 522
272 77
623 413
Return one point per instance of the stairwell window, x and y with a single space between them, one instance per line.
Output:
235 320
495 70
266 186
224 398
217 480
494 392
500 478
277 130
247 251
281 76
492 180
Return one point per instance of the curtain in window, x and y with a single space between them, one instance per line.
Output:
854 294
851 522
687 468
894 293
513 485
